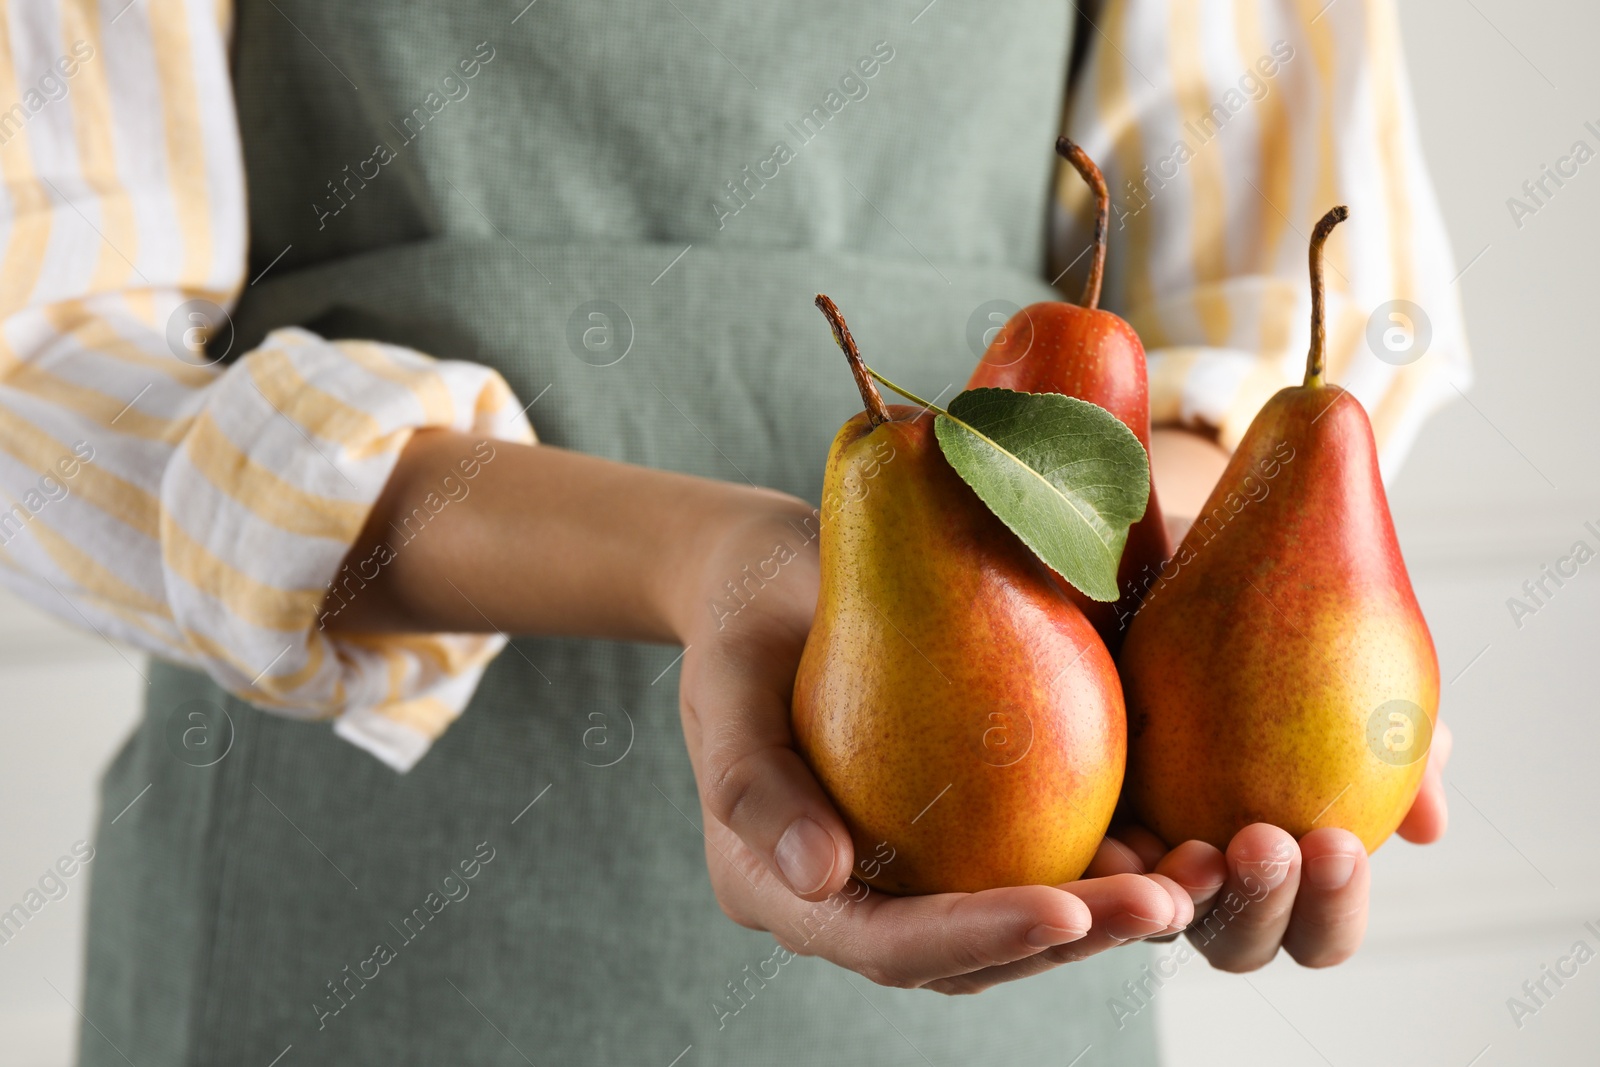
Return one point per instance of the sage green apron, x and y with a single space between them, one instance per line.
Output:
626 209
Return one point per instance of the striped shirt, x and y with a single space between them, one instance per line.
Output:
201 511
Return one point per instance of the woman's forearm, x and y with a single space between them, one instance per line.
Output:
472 536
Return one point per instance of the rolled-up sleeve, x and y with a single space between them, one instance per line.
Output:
202 513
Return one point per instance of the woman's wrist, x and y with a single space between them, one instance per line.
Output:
740 528
1186 465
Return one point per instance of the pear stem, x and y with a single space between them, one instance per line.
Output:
1319 339
877 410
1081 162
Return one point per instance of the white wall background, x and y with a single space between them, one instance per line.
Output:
1492 491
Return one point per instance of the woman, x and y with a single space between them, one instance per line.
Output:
609 220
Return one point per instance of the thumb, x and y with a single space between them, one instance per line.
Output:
736 721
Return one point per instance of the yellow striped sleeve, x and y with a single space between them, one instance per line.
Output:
196 511
1225 129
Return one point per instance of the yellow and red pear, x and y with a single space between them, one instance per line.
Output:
1281 671
1084 351
952 702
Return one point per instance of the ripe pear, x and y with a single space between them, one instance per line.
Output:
961 713
1281 670
1080 350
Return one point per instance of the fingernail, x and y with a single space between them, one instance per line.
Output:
805 855
1125 927
1330 872
1045 936
1273 870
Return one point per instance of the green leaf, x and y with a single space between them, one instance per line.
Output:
1064 474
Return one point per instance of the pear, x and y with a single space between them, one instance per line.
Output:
1280 670
1084 351
960 712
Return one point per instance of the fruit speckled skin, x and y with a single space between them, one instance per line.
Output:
1284 622
951 701
1056 347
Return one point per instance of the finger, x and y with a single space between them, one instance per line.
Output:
1128 907
907 942
1146 848
1243 929
1196 866
1200 869
1330 911
1425 823
1429 816
754 782
1125 907
1114 857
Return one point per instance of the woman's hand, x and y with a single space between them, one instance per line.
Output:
1307 897
779 855
551 541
